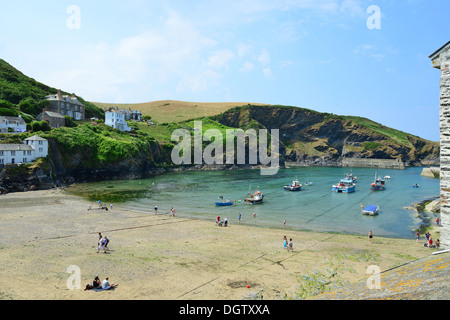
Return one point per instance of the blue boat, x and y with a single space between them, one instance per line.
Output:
344 186
224 202
378 185
371 210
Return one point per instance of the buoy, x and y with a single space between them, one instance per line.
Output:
248 286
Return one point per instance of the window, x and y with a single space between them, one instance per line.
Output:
2 161
13 160
24 160
41 149
1 153
13 153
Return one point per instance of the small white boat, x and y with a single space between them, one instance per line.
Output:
371 210
254 198
295 186
387 177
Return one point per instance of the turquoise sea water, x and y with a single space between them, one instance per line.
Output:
193 193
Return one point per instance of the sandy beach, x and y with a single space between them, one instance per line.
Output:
42 233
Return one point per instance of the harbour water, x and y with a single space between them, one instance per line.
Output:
193 194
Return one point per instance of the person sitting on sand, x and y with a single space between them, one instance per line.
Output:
107 286
96 283
438 243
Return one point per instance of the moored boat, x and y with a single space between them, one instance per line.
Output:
224 202
370 210
295 186
378 185
254 198
344 186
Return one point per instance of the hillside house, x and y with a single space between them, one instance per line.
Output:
12 124
66 105
54 119
116 120
129 114
32 148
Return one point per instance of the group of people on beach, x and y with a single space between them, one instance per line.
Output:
172 211
100 285
288 245
429 242
102 243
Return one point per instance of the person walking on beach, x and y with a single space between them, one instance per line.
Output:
172 212
285 243
239 217
370 235
417 236
105 243
111 206
156 209
101 245
291 245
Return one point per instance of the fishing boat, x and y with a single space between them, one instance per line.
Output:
344 186
224 202
295 186
378 184
254 198
349 176
370 210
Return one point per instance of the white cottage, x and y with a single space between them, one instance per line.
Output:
32 148
116 120
12 124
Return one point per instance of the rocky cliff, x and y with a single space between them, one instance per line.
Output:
312 138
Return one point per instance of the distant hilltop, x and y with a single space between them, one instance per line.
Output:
167 111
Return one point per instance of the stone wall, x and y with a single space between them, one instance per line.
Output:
373 163
441 60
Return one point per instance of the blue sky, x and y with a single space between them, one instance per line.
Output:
317 54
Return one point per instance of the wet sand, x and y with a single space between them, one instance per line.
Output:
42 233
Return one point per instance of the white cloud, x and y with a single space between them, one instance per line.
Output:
162 55
264 57
220 59
267 73
285 63
247 67
353 8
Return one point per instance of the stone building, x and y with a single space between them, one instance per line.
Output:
55 120
441 60
66 105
